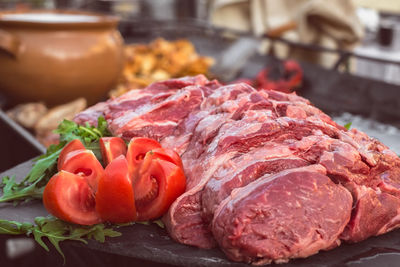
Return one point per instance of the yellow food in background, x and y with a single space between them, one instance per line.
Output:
159 60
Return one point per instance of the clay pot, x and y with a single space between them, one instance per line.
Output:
56 56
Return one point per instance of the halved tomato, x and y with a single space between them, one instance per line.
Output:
159 184
73 145
137 149
84 163
69 197
115 200
111 148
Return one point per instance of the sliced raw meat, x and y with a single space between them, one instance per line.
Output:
292 214
270 177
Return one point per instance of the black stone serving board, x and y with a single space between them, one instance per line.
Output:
150 245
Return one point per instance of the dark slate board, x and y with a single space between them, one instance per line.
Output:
150 245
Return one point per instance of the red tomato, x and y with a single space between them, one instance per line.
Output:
140 186
160 153
115 200
84 163
137 149
75 144
69 197
167 155
111 148
159 184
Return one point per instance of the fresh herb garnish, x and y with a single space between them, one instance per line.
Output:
56 231
45 166
158 222
32 186
88 134
347 125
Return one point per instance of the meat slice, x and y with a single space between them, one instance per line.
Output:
371 172
234 138
219 106
245 168
160 119
269 176
91 114
292 214
184 221
135 99
374 213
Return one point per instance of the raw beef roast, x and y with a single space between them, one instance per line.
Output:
269 176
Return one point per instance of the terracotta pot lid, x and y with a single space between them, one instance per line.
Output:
56 19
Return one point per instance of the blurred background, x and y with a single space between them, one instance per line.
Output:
365 27
286 45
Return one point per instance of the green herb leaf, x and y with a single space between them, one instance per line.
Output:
45 166
159 223
347 125
88 134
42 165
14 228
56 231
13 191
33 184
99 233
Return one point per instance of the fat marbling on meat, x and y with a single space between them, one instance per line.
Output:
270 177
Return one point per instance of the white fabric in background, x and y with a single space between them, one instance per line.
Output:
333 24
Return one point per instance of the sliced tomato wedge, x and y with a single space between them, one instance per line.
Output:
84 163
137 149
167 155
115 200
159 184
70 198
73 145
163 154
111 148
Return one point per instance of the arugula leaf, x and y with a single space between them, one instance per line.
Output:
88 134
33 184
347 125
13 191
56 231
42 165
14 228
159 223
45 166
